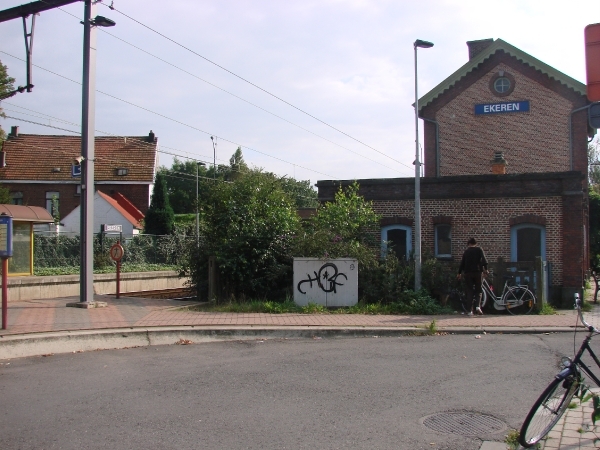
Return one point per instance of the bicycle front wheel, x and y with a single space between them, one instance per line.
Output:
519 300
547 410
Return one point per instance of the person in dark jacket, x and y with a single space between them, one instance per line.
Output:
473 264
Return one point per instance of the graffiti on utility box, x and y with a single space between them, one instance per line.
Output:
328 283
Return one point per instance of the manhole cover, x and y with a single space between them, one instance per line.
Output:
464 423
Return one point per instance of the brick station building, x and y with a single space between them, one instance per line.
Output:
505 161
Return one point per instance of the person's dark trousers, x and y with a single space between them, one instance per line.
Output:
473 286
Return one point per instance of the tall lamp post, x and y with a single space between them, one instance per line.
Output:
418 44
198 164
87 151
214 143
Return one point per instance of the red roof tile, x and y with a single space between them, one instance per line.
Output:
37 157
115 204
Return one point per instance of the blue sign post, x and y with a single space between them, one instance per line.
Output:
6 251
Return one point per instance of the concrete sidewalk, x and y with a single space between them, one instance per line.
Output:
39 327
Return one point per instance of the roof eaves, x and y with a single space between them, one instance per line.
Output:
513 51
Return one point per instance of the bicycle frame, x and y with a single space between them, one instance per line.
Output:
585 346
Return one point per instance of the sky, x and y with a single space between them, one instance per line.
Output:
310 89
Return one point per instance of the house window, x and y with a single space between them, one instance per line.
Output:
122 171
397 238
527 241
52 199
443 241
16 198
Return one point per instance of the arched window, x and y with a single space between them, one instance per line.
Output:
397 238
527 240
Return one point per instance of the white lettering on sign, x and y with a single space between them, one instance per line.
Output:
113 228
503 107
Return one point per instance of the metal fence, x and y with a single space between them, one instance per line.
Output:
64 249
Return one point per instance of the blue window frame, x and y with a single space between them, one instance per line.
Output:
397 238
527 240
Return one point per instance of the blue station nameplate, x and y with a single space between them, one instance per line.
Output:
503 107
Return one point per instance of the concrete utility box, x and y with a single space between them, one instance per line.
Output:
327 282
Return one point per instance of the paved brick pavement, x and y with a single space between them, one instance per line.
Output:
52 315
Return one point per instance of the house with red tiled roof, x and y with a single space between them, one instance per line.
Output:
107 211
37 168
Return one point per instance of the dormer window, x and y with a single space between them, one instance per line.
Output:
121 171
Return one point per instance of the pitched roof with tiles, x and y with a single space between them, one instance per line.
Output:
39 157
126 214
501 46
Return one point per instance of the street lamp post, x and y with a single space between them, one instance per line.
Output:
214 143
87 151
198 163
418 44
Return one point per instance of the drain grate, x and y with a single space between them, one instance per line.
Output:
464 423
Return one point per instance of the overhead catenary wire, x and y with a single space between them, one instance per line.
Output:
172 119
250 83
248 102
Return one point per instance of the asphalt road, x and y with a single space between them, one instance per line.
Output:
364 393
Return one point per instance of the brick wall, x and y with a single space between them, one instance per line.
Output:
537 141
485 207
488 220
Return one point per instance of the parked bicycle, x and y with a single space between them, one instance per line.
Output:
556 398
516 299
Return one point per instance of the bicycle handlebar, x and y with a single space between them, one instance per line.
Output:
590 328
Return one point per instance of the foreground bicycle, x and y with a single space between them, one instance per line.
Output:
555 399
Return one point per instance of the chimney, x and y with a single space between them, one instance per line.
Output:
151 136
499 164
476 47
14 131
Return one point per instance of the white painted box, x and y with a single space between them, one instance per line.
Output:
327 282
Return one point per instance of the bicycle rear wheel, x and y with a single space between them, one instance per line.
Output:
519 300
547 410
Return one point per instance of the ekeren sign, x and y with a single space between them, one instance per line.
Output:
502 107
592 61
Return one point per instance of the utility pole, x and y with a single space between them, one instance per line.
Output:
88 118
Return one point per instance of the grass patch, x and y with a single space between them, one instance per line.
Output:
288 306
547 310
586 307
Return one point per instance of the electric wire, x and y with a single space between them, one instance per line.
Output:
251 83
244 100
173 120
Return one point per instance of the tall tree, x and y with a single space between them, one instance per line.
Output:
6 85
160 217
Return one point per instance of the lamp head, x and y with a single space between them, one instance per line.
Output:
101 21
423 44
212 138
200 163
